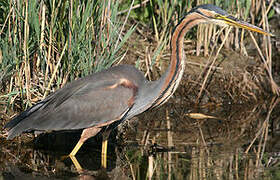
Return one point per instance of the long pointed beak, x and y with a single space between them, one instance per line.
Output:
242 24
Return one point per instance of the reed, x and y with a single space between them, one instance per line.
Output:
44 44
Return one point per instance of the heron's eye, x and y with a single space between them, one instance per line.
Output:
217 16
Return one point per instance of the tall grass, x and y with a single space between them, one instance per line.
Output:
44 44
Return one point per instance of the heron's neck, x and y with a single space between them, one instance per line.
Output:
172 77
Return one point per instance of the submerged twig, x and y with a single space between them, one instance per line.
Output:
273 103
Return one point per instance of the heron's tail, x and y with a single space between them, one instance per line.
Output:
17 125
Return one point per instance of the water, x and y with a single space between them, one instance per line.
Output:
234 142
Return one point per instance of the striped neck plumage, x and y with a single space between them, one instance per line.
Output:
172 77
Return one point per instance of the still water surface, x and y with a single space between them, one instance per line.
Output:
172 142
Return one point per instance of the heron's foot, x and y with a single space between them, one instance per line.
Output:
74 160
76 163
73 152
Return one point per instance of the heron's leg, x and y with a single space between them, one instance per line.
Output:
106 135
87 133
76 148
104 153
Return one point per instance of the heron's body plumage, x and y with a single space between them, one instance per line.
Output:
83 103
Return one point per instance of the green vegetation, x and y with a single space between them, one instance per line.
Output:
44 44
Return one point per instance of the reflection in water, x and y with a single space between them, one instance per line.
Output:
240 143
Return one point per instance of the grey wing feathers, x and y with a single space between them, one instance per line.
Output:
23 115
50 102
78 106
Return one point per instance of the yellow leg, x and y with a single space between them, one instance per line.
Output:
104 154
76 148
76 163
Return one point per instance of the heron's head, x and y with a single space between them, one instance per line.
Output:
216 15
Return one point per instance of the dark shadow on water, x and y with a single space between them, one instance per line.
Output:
59 144
43 157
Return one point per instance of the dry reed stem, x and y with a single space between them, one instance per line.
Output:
264 15
274 86
125 21
55 71
194 165
206 37
70 17
264 137
26 54
236 34
211 65
131 168
202 137
199 39
148 63
169 164
43 22
107 19
142 3
122 57
260 144
6 20
151 169
50 43
236 163
169 132
204 65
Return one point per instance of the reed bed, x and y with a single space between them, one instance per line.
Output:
45 44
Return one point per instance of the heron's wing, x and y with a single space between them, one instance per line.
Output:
94 103
48 104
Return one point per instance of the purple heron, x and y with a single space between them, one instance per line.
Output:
109 97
